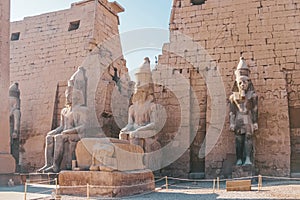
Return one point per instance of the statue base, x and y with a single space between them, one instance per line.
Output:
239 171
116 154
103 183
11 179
7 164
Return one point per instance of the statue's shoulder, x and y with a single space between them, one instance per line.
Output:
80 109
252 94
155 107
64 110
131 108
232 97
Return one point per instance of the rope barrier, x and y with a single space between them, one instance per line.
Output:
36 180
39 192
240 178
43 192
191 180
41 182
122 186
283 178
77 186
189 187
215 184
160 179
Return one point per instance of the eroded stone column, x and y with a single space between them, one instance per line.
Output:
7 162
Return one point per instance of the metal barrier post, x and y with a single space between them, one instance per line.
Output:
167 183
259 182
87 191
218 183
25 190
214 185
55 186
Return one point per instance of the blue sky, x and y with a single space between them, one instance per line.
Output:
139 14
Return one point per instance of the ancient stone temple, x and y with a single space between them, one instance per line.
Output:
192 81
207 39
46 50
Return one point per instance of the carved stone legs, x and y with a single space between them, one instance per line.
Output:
248 149
243 143
239 148
70 154
48 153
59 141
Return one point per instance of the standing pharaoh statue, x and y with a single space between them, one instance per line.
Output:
61 142
243 114
142 127
14 120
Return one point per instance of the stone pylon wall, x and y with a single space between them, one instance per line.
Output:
181 89
7 162
293 86
48 52
266 32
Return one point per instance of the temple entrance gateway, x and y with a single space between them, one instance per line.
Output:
197 157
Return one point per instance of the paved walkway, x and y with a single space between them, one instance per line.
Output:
187 191
34 192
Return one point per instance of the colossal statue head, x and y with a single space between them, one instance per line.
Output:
242 69
14 96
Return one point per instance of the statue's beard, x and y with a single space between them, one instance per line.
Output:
243 93
68 103
140 97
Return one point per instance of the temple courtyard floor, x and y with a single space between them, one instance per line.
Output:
176 190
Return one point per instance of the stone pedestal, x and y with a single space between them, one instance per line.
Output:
243 171
16 179
108 184
109 152
7 164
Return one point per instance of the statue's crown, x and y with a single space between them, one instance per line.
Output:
143 74
242 68
14 90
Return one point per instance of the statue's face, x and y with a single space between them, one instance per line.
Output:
140 94
243 83
68 95
77 97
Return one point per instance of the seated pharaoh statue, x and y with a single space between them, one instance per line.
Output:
142 124
61 142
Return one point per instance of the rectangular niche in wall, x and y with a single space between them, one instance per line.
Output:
197 2
15 36
74 25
